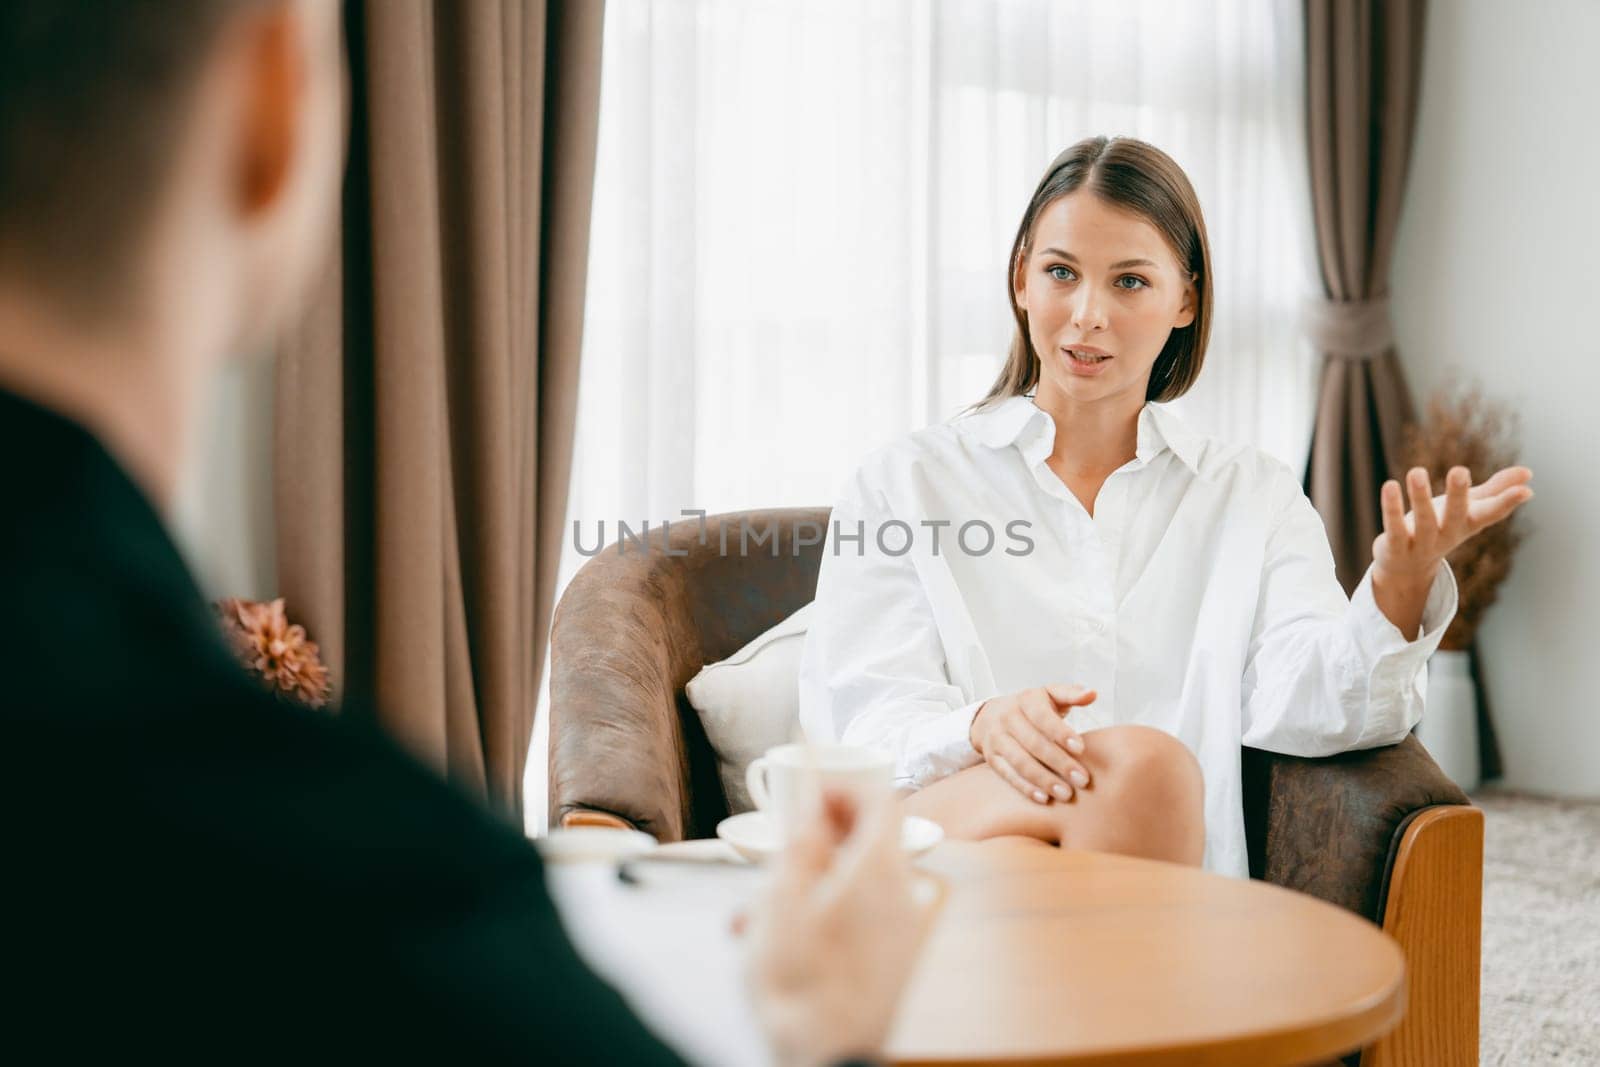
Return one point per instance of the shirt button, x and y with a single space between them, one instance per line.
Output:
1097 626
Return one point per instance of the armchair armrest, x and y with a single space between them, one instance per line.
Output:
631 630
621 647
1330 827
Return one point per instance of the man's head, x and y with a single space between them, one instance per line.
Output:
153 146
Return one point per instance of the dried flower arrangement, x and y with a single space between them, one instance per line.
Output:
275 651
1469 431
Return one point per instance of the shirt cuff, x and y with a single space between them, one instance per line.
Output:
948 748
1378 637
1395 690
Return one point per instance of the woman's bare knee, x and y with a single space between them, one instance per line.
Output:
1153 793
977 804
1144 798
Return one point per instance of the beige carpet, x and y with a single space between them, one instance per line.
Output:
1541 930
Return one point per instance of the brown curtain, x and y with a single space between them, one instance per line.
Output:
1363 74
425 408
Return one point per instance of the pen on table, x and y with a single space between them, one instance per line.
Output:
626 869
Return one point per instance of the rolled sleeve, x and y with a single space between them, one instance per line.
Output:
1326 674
1398 666
928 743
873 671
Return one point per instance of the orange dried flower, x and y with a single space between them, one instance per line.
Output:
274 650
1468 431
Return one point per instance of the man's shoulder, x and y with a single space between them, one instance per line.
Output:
192 749
141 693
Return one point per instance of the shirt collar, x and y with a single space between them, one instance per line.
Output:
1017 420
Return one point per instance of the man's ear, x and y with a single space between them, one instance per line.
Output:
273 94
1190 306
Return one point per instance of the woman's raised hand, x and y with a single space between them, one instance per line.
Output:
1412 543
1026 739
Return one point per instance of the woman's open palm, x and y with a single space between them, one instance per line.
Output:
1413 543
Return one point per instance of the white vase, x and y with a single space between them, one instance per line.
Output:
1449 726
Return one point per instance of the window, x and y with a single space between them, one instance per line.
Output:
803 210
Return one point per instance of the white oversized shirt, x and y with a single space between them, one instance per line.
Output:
1199 599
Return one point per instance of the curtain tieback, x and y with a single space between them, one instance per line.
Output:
1350 329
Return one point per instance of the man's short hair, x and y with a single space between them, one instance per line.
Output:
92 96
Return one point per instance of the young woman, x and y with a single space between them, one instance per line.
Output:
1065 611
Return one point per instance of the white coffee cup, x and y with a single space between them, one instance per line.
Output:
787 782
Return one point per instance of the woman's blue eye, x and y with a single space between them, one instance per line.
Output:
1064 274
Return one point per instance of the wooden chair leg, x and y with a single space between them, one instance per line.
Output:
1435 911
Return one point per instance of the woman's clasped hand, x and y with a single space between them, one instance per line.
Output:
1027 739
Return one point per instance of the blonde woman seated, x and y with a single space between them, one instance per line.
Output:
1064 612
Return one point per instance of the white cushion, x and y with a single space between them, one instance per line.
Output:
750 702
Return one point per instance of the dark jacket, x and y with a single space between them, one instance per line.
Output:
195 868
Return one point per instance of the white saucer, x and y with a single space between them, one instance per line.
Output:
581 844
751 835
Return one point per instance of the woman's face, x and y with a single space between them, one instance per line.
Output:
1098 277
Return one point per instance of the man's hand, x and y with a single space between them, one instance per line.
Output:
833 944
1026 739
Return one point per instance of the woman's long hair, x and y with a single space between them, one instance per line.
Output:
1140 178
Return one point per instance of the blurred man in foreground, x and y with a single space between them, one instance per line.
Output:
195 867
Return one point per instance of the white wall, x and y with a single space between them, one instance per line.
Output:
223 514
1497 278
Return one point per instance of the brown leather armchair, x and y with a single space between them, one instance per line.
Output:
1381 832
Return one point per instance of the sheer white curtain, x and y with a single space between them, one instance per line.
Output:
803 210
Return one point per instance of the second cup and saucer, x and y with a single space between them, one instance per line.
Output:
753 835
785 781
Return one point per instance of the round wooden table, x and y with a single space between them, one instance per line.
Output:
1068 957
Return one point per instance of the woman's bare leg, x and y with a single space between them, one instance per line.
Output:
1145 797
